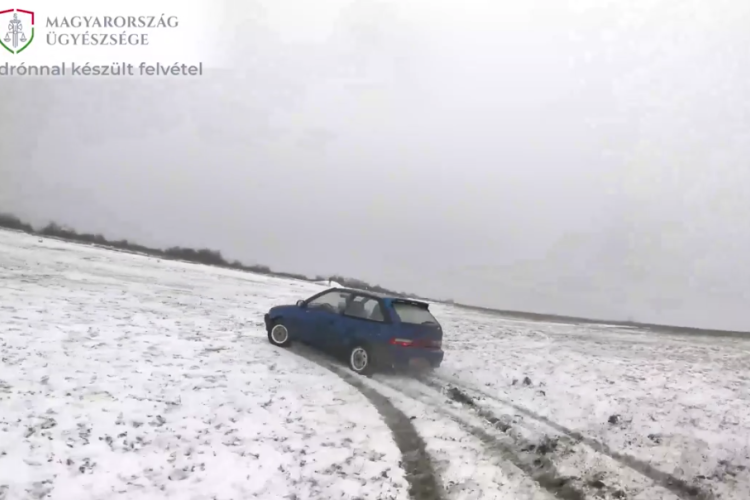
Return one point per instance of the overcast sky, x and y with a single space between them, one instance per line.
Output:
587 158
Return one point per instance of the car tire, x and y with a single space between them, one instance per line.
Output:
361 360
278 335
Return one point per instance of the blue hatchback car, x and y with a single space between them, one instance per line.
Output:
371 330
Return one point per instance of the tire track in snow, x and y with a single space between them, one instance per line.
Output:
678 486
424 483
539 468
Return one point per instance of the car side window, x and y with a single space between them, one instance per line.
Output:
365 308
333 301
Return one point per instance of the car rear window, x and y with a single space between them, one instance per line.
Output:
413 314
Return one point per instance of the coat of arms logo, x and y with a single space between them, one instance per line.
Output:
16 30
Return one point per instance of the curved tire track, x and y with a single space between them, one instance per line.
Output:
536 466
424 483
678 486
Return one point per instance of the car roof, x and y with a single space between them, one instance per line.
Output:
380 295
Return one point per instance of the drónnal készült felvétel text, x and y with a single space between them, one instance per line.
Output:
113 69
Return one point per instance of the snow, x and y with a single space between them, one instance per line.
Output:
125 376
469 471
682 401
329 284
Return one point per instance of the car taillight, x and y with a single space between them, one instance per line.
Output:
402 342
424 343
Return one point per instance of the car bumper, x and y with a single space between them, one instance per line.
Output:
413 356
266 320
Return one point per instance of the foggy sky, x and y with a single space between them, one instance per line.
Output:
586 158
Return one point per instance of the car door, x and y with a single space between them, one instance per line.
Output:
362 320
296 322
321 316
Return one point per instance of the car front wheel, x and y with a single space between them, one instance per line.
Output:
360 360
278 335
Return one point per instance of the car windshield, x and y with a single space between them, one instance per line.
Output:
413 314
333 301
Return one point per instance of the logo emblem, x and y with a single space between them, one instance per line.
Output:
16 30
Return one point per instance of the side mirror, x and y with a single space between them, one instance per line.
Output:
300 303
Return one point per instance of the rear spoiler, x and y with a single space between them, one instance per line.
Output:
418 303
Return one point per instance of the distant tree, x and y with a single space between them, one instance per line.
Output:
52 229
10 221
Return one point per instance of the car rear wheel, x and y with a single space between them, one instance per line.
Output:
360 360
278 335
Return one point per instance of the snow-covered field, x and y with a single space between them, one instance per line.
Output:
679 403
123 376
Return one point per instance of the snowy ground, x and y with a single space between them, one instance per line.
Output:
682 402
123 376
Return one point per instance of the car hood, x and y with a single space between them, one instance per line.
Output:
281 309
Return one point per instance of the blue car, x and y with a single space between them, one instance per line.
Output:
371 330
